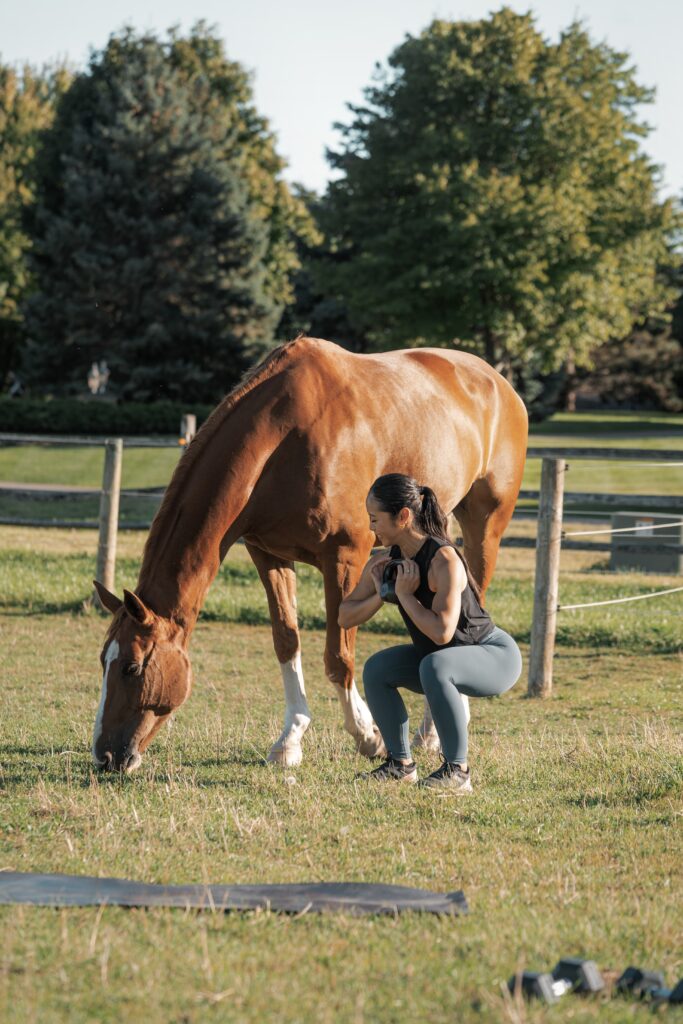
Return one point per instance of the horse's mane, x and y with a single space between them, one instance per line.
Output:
252 377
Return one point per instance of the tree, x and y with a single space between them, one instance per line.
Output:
645 369
493 195
313 312
27 103
163 239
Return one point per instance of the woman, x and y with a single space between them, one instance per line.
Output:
456 649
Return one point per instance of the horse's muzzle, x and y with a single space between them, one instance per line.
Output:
127 761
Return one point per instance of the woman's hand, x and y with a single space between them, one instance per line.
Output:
407 578
378 571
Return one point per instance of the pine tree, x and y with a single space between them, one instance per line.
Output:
492 195
150 248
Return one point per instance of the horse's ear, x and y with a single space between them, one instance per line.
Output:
137 609
109 601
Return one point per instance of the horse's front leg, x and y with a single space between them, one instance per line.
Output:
279 580
426 735
340 577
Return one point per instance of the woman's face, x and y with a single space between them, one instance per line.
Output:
384 526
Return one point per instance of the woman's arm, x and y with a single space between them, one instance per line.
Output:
439 622
364 599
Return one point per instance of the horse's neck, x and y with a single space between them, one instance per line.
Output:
205 516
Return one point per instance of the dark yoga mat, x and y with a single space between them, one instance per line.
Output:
313 897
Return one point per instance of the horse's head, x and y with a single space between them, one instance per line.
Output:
147 675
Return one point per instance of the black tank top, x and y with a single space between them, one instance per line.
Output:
474 624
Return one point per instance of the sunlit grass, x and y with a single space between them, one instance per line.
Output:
570 844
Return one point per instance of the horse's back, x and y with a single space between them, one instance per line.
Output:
344 386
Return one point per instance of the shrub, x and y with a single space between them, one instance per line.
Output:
73 416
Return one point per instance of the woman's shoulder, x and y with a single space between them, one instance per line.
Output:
445 554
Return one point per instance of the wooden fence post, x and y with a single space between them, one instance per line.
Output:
109 515
548 541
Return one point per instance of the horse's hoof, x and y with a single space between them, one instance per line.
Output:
371 745
427 741
287 757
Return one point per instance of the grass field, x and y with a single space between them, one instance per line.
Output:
572 843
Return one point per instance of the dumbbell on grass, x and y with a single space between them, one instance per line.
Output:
582 975
668 995
536 985
641 983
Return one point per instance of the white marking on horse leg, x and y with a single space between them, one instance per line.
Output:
111 656
426 735
287 748
358 721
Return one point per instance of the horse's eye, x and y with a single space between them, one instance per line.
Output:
132 669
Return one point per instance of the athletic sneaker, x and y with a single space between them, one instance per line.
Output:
449 778
392 771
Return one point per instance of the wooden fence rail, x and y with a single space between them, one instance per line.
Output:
551 499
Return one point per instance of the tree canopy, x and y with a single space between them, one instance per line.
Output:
493 194
27 102
164 239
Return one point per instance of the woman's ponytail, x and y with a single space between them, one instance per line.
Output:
431 518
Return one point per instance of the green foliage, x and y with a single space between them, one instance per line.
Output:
71 416
27 103
163 236
493 195
313 311
644 370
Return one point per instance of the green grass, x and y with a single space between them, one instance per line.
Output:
42 577
82 467
608 424
571 843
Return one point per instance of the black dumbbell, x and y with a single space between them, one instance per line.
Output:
668 995
641 983
387 590
583 975
536 985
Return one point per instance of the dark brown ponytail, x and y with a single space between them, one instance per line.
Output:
431 518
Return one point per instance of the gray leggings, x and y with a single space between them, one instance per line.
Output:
480 670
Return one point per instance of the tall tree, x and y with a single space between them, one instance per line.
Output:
164 239
27 104
492 194
312 311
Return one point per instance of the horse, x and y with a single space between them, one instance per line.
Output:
285 462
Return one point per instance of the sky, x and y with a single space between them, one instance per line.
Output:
309 58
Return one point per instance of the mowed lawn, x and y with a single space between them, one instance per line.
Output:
571 844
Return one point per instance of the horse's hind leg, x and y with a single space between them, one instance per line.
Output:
341 571
279 580
483 515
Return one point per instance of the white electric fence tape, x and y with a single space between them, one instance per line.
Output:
623 529
617 600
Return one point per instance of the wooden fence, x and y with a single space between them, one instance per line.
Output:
551 501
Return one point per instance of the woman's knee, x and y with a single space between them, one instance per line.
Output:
435 673
374 674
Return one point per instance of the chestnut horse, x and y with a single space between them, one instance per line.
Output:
286 462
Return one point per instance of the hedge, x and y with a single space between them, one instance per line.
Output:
72 416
